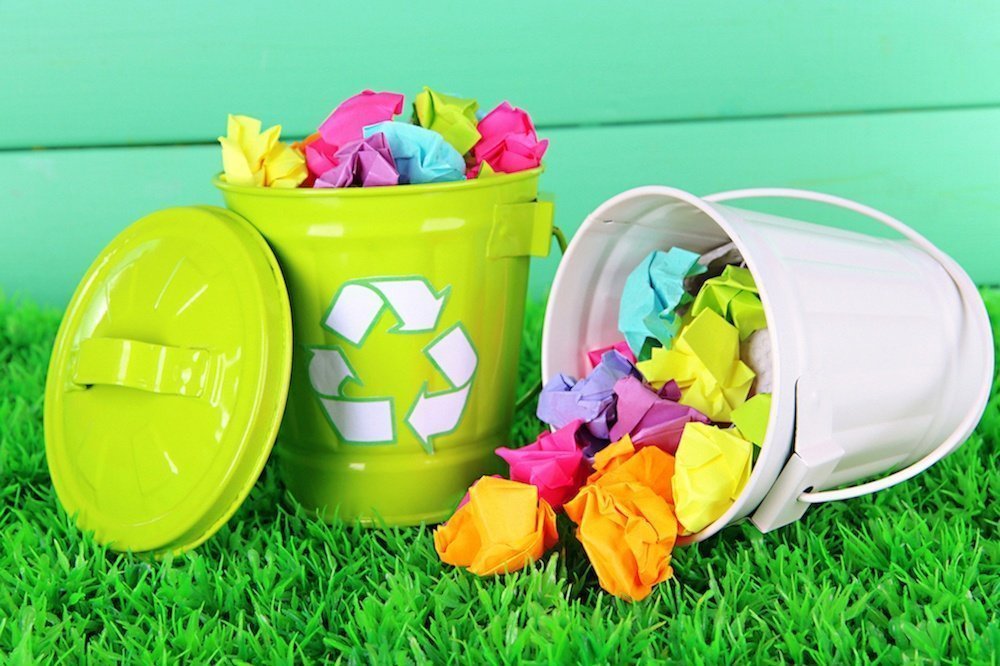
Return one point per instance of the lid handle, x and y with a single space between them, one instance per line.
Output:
142 365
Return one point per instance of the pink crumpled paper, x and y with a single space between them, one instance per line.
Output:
321 156
554 464
509 143
346 124
595 355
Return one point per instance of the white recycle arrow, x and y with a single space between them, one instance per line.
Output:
328 369
354 312
436 414
367 421
454 355
416 304
358 305
439 413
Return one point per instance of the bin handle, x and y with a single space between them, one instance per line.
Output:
970 300
142 366
536 388
511 220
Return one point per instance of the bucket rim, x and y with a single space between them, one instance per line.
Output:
497 180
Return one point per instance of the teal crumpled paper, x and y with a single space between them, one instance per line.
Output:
421 155
647 316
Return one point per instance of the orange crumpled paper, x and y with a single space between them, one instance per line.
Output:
611 457
628 531
504 527
620 463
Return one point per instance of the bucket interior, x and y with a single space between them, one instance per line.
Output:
583 305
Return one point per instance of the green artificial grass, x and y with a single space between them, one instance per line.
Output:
908 575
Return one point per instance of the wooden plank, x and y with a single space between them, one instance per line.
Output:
939 171
108 72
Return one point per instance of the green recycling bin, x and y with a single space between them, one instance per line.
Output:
390 318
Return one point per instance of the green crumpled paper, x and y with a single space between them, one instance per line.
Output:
751 418
733 295
454 118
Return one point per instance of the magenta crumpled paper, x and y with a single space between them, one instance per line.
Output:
509 143
347 122
590 399
554 464
651 418
320 156
594 355
364 163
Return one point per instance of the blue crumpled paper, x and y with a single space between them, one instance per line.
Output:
592 399
421 155
653 291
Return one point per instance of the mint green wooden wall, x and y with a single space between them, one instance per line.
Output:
109 110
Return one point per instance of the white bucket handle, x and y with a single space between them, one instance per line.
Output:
970 299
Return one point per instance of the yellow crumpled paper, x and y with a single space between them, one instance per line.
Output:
504 527
454 118
628 532
253 158
705 363
733 295
712 466
621 463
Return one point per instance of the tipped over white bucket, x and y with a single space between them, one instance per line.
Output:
882 351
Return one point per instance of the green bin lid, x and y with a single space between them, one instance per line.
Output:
168 380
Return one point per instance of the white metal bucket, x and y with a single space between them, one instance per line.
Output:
882 350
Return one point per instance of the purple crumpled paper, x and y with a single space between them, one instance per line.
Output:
591 399
363 163
651 418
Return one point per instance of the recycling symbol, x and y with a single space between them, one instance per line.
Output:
355 309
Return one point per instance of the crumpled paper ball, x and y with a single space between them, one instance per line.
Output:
345 125
421 156
711 467
705 363
628 532
504 527
554 464
509 143
347 122
254 158
652 418
364 163
454 118
621 462
590 399
733 295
